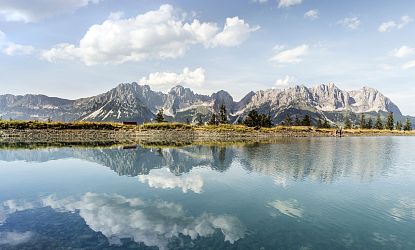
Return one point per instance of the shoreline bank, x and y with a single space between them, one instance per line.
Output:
193 134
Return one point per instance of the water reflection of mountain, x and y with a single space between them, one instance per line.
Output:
134 161
319 159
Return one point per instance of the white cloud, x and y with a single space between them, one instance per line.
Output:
386 26
409 65
288 3
403 51
260 1
10 48
35 10
404 21
18 49
158 34
311 15
350 22
234 33
390 25
187 77
163 178
14 238
152 222
289 208
285 82
289 56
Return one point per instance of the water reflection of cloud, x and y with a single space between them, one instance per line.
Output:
14 238
288 207
12 206
404 209
163 178
152 222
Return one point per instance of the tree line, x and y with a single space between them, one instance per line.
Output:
388 124
255 119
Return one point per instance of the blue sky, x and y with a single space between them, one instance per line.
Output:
79 48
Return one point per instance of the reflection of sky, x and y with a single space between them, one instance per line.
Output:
326 183
152 222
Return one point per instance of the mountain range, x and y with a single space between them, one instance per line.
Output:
134 102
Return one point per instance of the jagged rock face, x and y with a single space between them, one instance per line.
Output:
134 102
119 104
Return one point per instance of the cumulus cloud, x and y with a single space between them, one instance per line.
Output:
391 25
11 48
289 56
15 238
350 22
152 222
35 10
18 49
403 51
163 178
187 77
409 65
288 3
158 34
289 208
285 82
311 15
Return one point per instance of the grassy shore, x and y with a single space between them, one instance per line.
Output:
8 127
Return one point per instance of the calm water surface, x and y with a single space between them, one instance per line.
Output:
311 193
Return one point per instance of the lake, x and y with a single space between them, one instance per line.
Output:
305 193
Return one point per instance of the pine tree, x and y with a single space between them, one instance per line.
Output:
390 122
222 114
160 116
252 119
306 121
187 121
369 124
378 124
398 126
347 123
408 125
297 121
214 120
326 124
362 121
288 121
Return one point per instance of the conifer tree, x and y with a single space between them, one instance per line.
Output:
369 124
214 120
326 124
378 124
398 126
160 116
347 123
319 123
362 121
408 125
297 121
390 122
306 121
288 121
222 114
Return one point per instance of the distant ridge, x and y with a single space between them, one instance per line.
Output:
134 102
